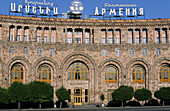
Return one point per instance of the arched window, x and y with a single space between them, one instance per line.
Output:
144 51
138 74
17 73
104 52
45 74
39 51
111 74
25 50
158 52
11 50
131 53
78 71
165 73
117 52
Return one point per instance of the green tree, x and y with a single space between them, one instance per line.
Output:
4 98
163 94
18 93
62 95
102 97
142 95
40 92
123 94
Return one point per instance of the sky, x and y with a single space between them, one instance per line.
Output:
153 8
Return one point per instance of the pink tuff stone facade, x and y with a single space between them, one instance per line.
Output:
96 43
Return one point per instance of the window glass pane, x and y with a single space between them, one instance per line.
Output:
110 40
103 40
25 38
86 40
52 39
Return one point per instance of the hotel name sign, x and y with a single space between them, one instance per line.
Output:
120 10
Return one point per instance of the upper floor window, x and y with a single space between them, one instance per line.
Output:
157 39
104 53
165 73
144 40
131 53
111 74
17 73
86 40
110 40
77 71
138 74
10 37
52 51
38 38
130 40
52 39
25 50
69 40
18 37
11 50
164 39
158 52
77 40
117 52
45 73
117 40
25 38
137 40
103 40
78 32
144 51
45 39
39 51
87 33
69 32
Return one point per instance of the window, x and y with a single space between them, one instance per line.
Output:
18 37
130 40
137 40
110 40
165 73
11 50
17 73
63 40
38 51
138 74
69 40
131 53
164 39
87 33
144 40
52 39
77 40
104 53
117 41
77 71
69 91
77 32
52 51
111 74
25 38
158 52
86 96
38 38
117 52
86 40
157 39
10 37
25 50
69 32
144 51
109 94
45 39
103 40
45 74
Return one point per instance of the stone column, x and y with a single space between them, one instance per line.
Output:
73 35
49 35
15 33
133 36
114 36
168 35
65 35
123 36
22 34
97 35
83 35
42 35
161 38
151 35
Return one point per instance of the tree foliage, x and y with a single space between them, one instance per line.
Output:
40 92
143 94
18 92
102 97
4 98
123 93
163 93
62 94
